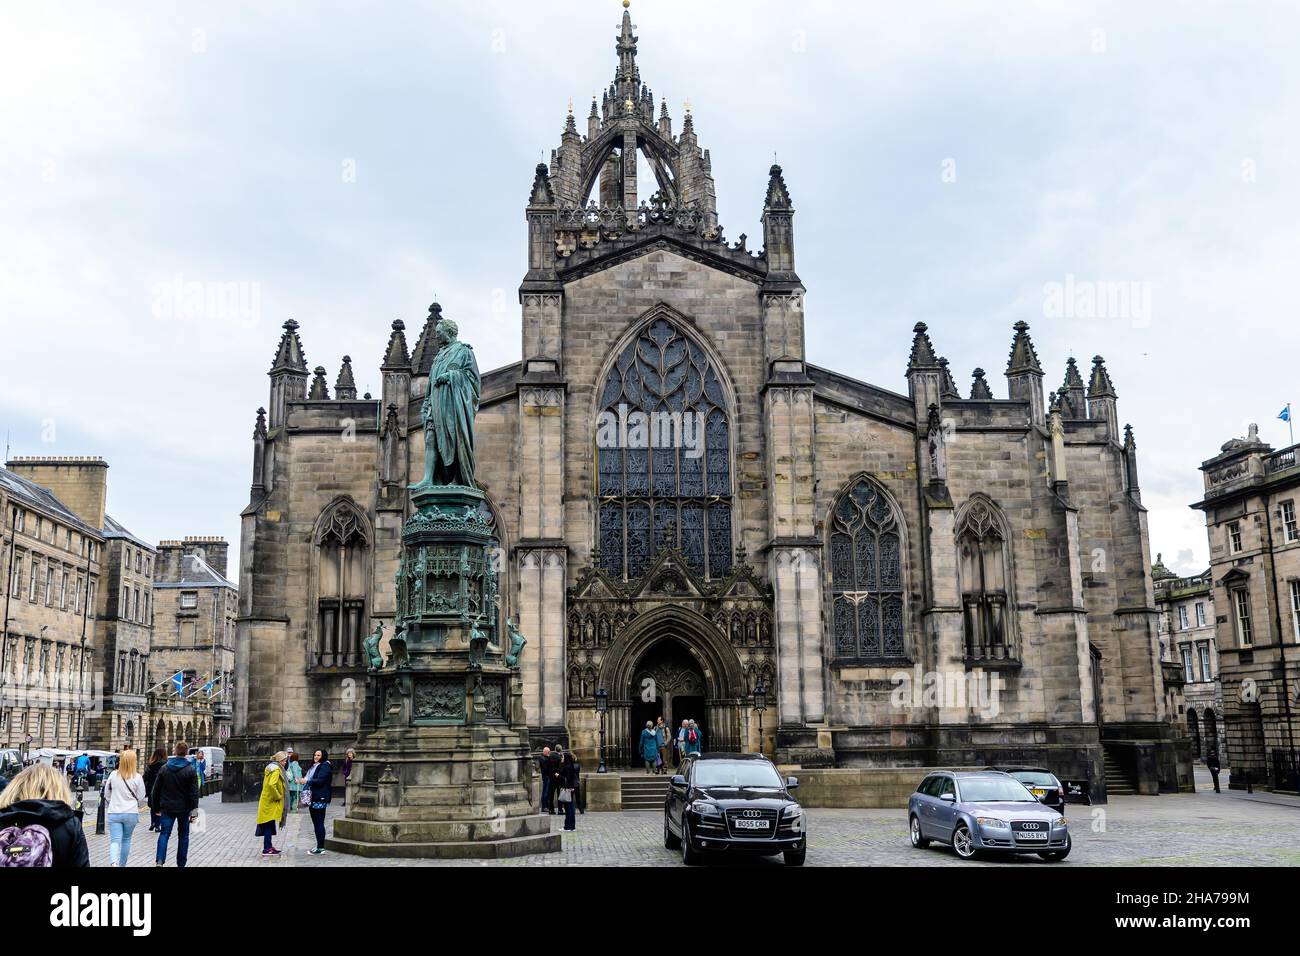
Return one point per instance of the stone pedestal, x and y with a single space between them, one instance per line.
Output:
442 766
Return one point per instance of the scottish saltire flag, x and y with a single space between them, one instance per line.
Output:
1285 414
179 680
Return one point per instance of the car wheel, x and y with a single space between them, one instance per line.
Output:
670 842
1056 856
795 857
690 855
963 844
918 841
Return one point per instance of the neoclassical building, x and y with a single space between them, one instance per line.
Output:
916 577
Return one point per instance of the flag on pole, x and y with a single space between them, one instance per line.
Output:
179 680
1285 414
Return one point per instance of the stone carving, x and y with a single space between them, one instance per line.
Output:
448 412
397 656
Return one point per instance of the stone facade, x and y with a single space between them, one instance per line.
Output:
1188 642
915 578
194 636
1250 506
84 664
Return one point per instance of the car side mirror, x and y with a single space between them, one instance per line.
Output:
791 782
948 797
678 780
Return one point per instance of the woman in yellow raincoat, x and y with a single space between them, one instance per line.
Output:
270 806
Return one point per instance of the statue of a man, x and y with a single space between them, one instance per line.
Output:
448 412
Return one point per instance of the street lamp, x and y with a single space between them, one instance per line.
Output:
602 708
760 705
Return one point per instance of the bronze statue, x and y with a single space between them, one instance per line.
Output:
517 642
448 412
397 656
478 642
374 659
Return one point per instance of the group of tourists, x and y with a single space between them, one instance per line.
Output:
660 748
41 820
561 776
287 788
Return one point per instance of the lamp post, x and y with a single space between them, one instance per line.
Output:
760 705
602 708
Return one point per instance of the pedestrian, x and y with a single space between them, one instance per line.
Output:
200 769
293 779
37 826
694 738
150 775
546 767
126 796
649 746
175 794
568 779
681 740
1212 762
270 805
318 790
665 747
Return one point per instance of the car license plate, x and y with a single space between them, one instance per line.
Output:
1030 835
1038 793
751 824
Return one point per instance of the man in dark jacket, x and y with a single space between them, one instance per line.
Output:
176 798
1212 762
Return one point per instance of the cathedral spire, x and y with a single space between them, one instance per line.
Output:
922 356
319 390
1023 356
1074 402
345 387
947 386
427 345
979 389
628 76
1100 386
1025 375
397 356
1102 404
289 354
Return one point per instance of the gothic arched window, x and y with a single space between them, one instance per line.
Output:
867 573
342 576
984 569
664 457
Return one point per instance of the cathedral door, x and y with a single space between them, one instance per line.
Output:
668 683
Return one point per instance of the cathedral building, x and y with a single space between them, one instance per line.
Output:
687 508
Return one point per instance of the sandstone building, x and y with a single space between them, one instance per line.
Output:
841 542
1187 641
1250 506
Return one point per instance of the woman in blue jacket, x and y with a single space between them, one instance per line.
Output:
319 781
649 746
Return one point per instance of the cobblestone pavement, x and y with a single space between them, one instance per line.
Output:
1204 829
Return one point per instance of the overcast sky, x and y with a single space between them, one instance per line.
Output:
956 164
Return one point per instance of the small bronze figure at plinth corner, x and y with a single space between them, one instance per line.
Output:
443 754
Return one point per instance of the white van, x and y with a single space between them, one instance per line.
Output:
213 758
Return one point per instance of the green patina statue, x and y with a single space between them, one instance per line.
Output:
517 642
374 659
448 412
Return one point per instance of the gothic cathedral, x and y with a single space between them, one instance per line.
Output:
688 509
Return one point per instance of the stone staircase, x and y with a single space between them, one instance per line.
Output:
1117 782
642 791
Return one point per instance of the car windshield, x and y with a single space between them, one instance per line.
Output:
737 773
993 790
1035 778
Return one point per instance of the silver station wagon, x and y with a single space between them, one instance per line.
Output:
984 811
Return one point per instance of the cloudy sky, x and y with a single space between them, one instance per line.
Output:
952 163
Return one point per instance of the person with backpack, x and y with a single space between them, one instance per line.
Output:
176 797
317 790
37 826
694 739
150 775
126 797
270 805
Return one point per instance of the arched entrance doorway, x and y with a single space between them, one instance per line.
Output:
672 662
1211 734
667 682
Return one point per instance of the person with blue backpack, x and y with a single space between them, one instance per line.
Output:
37 825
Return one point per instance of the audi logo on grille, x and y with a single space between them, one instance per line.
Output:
1029 826
750 813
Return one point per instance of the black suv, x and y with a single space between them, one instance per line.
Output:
733 802
1041 783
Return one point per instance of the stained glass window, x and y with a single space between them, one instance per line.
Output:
866 574
666 480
